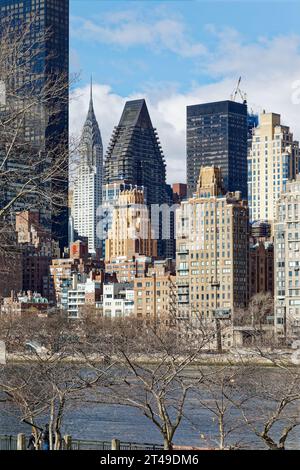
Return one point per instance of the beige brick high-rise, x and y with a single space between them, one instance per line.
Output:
130 233
155 297
212 250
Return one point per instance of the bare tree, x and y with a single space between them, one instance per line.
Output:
219 393
45 388
52 331
257 320
34 145
43 385
270 405
151 369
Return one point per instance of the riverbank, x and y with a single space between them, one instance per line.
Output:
234 358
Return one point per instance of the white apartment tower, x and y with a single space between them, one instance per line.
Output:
287 262
272 160
87 196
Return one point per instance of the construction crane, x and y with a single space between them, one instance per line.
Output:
238 91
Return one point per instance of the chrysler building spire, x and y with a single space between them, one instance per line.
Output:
91 106
88 182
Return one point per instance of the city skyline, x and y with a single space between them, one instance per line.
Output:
202 55
177 302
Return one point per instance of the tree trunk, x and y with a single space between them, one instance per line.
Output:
222 433
51 422
58 422
167 444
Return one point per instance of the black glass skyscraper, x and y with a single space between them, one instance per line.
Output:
49 20
135 155
217 135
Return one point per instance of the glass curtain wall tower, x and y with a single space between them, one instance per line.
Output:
217 136
135 155
47 36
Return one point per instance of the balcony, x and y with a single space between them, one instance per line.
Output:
183 251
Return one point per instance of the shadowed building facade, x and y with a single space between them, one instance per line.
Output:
261 259
48 39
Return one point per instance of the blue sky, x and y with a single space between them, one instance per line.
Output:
176 53
128 67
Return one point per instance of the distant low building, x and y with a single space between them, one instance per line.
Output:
24 303
179 192
62 270
155 295
118 300
126 270
84 291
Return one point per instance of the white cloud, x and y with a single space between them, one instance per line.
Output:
128 29
74 60
269 69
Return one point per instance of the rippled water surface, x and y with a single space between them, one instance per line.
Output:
105 422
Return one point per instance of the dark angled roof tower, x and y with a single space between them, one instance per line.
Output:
134 154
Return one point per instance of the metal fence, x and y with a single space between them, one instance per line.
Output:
78 444
8 443
139 446
11 443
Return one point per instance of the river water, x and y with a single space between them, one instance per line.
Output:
105 422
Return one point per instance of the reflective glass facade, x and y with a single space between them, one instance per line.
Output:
217 135
134 155
49 20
